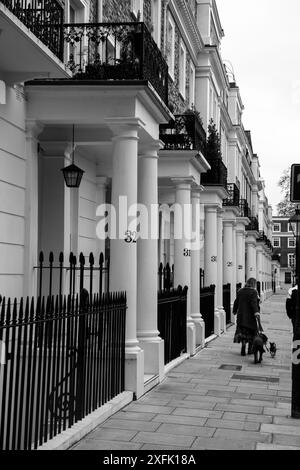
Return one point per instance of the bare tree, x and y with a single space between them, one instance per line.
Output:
285 208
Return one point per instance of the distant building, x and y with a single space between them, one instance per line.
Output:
284 244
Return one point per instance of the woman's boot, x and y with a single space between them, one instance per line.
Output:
243 350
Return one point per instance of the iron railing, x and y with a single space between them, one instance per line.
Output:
245 209
202 278
262 237
258 288
234 196
116 51
253 226
227 302
184 133
165 277
238 287
217 175
44 18
207 309
62 358
171 319
58 277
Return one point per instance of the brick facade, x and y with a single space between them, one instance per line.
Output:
115 11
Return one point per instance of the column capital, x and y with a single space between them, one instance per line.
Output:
229 223
151 149
210 209
124 128
220 213
183 183
196 192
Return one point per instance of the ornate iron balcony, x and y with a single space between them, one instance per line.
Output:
234 196
116 51
44 18
184 133
262 237
244 208
217 175
253 226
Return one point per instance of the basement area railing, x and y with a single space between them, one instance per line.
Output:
172 319
61 359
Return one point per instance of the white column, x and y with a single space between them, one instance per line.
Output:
147 253
229 257
251 258
33 130
240 255
259 254
182 246
220 283
228 251
234 271
211 256
195 278
102 184
123 259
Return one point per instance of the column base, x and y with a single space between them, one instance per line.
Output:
199 330
217 323
154 357
222 315
134 371
191 339
232 317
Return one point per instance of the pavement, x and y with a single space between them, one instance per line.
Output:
205 403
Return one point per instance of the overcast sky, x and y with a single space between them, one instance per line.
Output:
262 41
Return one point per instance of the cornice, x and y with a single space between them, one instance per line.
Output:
187 26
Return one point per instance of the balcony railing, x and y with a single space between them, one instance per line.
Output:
234 196
116 51
184 133
217 175
44 18
253 226
244 208
262 237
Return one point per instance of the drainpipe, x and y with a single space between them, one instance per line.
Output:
99 11
165 25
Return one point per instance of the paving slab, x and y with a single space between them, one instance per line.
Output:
177 419
281 429
221 444
242 435
232 424
274 447
181 441
106 445
187 430
286 440
131 425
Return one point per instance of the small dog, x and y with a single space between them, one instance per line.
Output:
273 349
258 349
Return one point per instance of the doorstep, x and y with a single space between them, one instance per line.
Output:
176 362
210 339
71 436
150 381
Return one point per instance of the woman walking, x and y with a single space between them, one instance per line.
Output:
246 307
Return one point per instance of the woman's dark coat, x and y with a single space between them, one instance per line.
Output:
245 306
